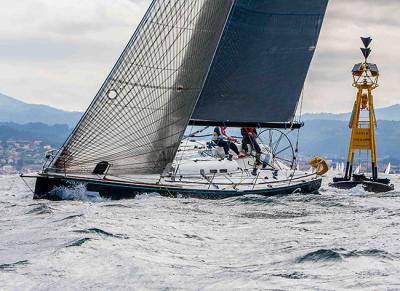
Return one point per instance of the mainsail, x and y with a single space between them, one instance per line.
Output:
136 121
261 63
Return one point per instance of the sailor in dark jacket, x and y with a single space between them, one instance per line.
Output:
249 138
249 135
221 139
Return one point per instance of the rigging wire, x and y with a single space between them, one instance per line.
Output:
300 116
194 134
27 185
140 128
298 130
178 162
297 138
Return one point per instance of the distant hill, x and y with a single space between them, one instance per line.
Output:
328 134
324 134
330 138
13 110
327 138
54 135
386 113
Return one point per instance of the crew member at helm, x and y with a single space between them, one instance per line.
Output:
249 135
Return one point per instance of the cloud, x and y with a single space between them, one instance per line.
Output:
328 87
59 52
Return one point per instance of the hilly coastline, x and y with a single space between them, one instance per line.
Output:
13 110
387 113
324 134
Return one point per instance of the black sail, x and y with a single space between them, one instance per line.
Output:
137 120
261 63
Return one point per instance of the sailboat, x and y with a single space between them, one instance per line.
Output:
357 170
231 63
388 169
336 170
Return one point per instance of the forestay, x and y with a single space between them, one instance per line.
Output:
261 63
136 121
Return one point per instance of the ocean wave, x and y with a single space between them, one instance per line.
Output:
77 242
76 192
147 195
326 255
71 217
332 241
293 275
40 209
275 214
101 232
370 253
249 200
116 206
254 200
13 266
322 255
193 236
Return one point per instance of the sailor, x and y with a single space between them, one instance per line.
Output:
249 135
221 139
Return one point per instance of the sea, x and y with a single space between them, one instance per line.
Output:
334 240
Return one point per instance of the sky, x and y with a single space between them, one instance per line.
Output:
59 52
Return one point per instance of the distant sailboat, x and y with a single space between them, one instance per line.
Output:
388 169
357 170
339 167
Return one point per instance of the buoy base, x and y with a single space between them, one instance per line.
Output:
369 185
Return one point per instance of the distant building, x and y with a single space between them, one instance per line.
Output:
8 170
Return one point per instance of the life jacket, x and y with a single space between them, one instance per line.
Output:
223 132
247 130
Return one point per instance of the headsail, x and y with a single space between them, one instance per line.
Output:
261 64
136 121
388 169
357 170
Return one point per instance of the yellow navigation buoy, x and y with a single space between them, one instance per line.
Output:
363 120
362 147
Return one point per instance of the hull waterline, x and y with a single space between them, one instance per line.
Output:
47 188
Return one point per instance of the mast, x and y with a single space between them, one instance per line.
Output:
365 80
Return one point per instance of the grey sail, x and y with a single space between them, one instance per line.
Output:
136 121
261 63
